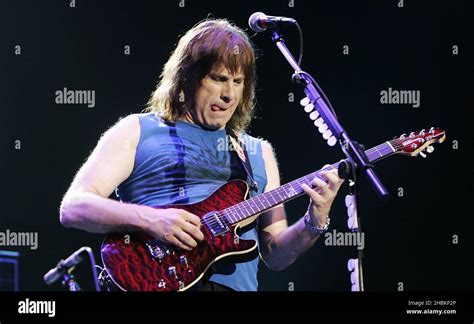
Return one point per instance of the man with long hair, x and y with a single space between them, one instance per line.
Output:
174 153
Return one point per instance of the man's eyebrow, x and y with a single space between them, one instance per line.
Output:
225 77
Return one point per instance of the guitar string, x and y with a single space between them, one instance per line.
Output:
247 204
395 143
244 204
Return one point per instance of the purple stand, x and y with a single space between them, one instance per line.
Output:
351 149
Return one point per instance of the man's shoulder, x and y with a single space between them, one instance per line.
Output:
125 127
134 117
266 148
135 120
264 143
256 139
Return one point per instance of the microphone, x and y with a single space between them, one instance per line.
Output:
259 21
64 265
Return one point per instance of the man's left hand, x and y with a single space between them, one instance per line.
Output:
322 195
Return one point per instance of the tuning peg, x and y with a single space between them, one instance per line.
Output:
422 132
423 155
412 135
402 136
430 149
305 101
432 130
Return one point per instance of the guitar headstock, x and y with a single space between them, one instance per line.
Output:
417 142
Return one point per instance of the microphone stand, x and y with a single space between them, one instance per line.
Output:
66 267
353 223
357 161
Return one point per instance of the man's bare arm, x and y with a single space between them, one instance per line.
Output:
86 204
280 244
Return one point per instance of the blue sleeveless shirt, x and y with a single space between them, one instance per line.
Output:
183 163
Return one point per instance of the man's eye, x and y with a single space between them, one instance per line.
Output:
238 81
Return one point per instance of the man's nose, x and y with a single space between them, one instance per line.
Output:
228 93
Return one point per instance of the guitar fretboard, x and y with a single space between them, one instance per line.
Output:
291 190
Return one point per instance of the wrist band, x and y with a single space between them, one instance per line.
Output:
314 229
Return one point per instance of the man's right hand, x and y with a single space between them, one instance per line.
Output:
174 226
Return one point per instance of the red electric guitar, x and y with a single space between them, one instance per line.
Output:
139 262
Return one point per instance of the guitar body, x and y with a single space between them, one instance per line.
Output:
138 262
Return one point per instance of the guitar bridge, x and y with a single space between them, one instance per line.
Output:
216 223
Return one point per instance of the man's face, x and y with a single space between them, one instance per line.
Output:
217 98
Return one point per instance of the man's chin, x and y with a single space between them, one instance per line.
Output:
214 126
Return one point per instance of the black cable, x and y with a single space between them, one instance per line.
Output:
300 32
316 85
321 92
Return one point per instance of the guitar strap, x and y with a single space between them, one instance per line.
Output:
239 146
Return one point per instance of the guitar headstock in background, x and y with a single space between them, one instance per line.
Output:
416 143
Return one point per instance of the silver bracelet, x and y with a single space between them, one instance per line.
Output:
314 229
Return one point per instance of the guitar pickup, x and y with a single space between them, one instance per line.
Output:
156 251
216 223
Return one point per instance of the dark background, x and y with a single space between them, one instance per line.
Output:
407 240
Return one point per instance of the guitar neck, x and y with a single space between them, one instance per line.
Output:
291 190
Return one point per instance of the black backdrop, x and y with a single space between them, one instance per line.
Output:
408 240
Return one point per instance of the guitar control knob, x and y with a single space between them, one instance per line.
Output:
184 261
430 149
162 284
172 272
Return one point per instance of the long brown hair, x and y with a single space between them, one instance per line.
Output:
210 42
